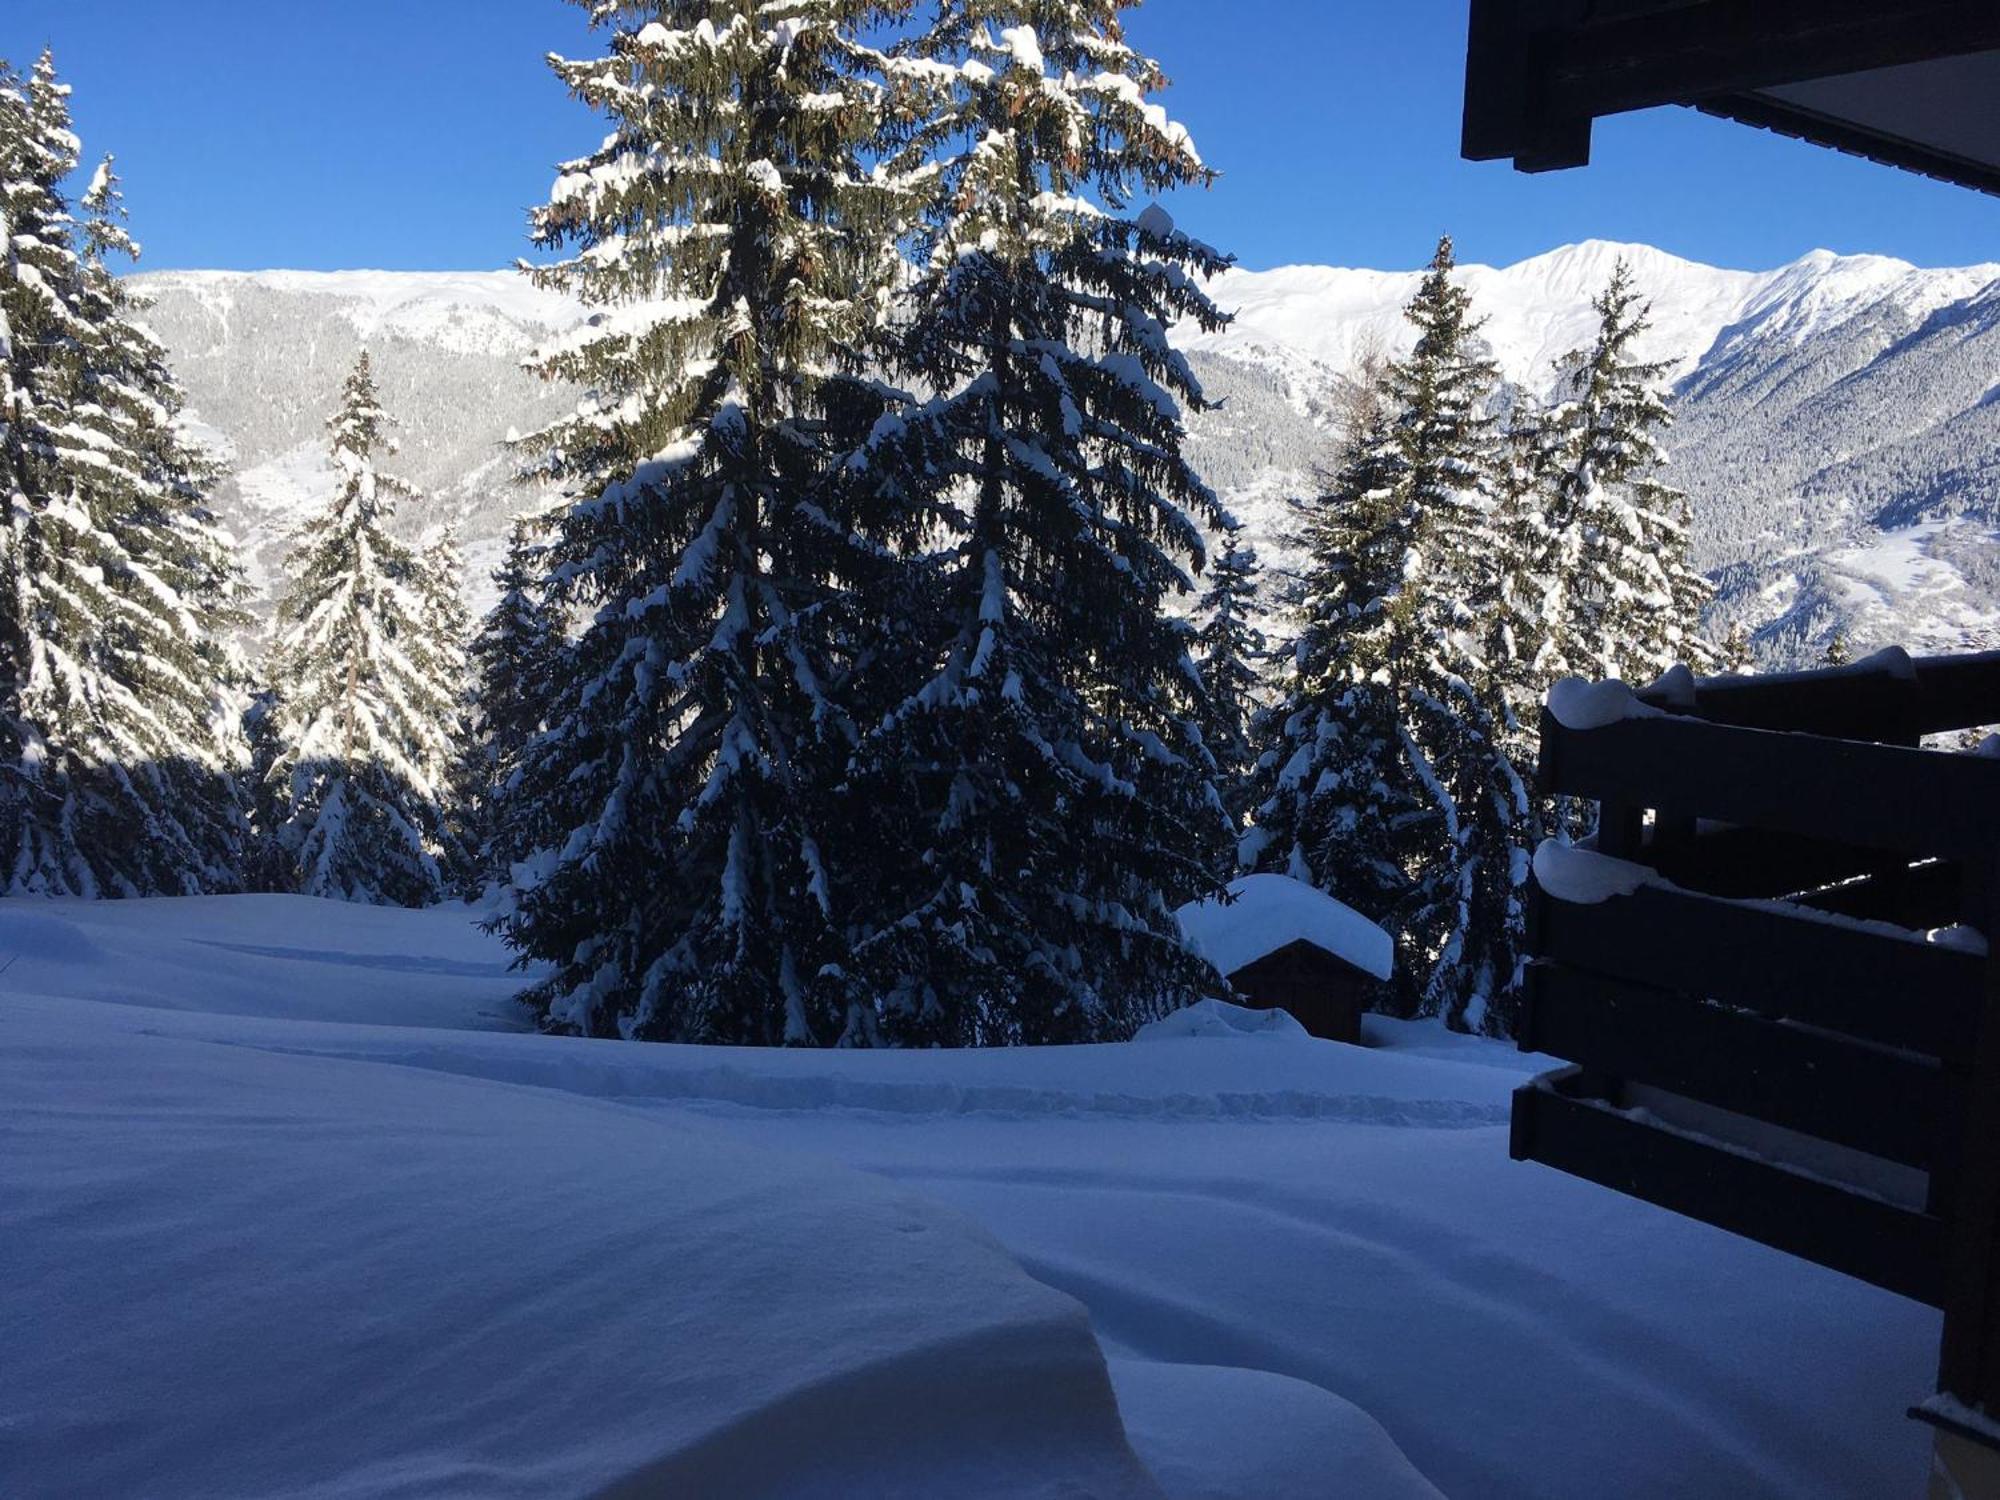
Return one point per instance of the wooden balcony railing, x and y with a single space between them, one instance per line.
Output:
1770 973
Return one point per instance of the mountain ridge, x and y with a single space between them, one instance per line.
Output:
1838 421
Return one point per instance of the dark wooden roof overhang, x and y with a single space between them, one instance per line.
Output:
1913 83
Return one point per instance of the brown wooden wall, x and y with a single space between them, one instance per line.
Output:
1326 994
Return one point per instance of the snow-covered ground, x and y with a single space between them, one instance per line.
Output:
1910 583
290 1204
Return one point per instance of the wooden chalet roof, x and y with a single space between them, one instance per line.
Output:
1913 83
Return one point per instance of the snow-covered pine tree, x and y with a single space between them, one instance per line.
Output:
1737 653
1527 588
1386 779
1470 919
1631 601
365 689
739 246
1838 652
181 655
440 581
1337 804
1231 650
1048 797
120 762
516 661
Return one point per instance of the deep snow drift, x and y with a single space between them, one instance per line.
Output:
287 1208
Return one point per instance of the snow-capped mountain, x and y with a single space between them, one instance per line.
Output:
1839 417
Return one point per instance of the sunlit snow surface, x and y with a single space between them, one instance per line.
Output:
287 1209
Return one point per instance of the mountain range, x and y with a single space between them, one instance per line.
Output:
1837 419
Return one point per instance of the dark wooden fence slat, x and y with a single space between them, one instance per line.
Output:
1897 1248
1885 1103
1959 692
1922 897
1752 862
1969 1359
1893 991
1859 702
1887 797
1854 703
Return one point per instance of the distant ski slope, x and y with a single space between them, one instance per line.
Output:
1833 412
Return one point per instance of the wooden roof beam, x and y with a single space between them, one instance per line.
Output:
1539 73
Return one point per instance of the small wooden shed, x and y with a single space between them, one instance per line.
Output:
1284 945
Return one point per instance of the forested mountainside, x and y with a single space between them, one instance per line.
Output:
263 356
1838 418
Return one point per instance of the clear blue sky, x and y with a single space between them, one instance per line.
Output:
415 134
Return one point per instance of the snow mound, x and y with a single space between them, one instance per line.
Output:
286 957
1580 704
36 937
1218 1018
1219 1433
1585 877
1270 911
239 1271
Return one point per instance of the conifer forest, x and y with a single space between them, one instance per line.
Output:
884 673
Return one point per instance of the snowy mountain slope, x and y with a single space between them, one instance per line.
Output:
262 356
1535 311
1826 408
295 1210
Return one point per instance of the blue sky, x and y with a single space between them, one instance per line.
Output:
415 134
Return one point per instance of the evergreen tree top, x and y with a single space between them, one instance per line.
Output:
40 151
1060 75
1441 311
1605 429
48 100
105 233
736 227
360 424
731 118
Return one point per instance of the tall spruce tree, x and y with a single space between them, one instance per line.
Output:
1525 589
1386 779
1230 649
364 690
516 661
1038 753
440 582
1628 601
117 761
740 245
1338 806
185 662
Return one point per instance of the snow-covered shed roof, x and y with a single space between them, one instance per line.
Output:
1270 912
